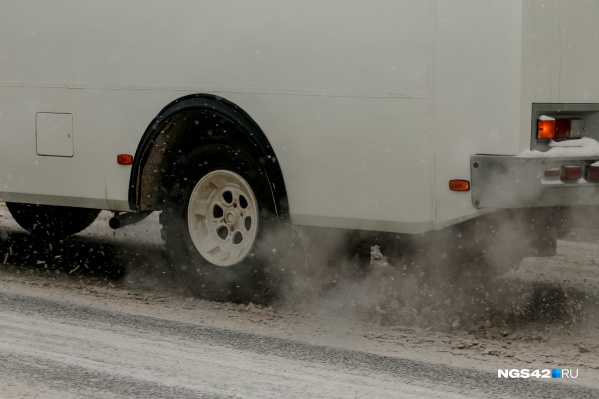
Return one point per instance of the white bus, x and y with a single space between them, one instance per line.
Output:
401 116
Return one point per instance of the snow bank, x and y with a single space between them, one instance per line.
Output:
584 147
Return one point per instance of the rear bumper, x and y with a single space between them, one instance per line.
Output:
512 182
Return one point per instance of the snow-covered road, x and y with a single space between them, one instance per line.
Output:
59 349
101 316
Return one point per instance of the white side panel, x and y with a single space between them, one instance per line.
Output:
26 176
376 46
115 120
347 162
579 38
352 162
545 21
340 89
35 39
476 93
528 72
35 55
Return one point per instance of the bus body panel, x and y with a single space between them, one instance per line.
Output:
371 107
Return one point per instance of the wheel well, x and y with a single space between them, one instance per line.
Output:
190 122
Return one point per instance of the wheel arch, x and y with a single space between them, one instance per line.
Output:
173 129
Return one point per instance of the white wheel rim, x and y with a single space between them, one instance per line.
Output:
222 217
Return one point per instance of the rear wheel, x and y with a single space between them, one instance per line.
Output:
222 217
219 224
52 222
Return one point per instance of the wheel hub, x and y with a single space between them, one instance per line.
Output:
223 218
230 218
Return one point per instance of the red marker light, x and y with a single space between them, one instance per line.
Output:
571 173
562 128
593 173
124 159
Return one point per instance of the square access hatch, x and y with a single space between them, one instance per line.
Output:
54 134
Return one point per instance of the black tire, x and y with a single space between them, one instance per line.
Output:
244 278
52 222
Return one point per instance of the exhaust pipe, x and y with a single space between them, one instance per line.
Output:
125 219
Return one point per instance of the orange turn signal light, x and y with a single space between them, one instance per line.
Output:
546 129
124 159
459 185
